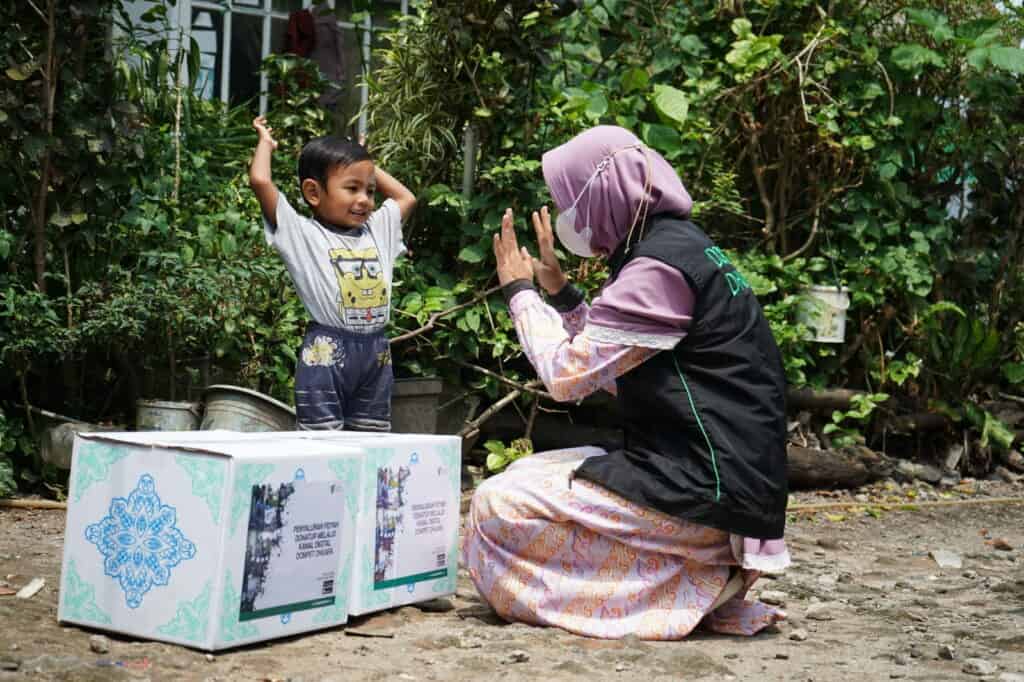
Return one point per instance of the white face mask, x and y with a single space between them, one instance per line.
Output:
578 243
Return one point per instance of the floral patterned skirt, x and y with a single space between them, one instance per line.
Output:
586 560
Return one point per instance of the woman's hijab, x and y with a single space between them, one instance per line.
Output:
612 201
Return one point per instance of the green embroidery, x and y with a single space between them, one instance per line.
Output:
79 599
717 256
207 474
737 282
93 464
191 619
231 629
246 477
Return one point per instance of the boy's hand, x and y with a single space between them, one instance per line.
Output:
260 124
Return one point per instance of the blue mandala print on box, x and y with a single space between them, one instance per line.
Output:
139 541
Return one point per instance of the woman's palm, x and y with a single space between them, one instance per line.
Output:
547 268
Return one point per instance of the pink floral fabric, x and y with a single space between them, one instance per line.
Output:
571 364
544 550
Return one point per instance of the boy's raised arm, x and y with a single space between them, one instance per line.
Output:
393 189
259 171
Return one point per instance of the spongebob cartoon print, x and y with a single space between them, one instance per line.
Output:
363 297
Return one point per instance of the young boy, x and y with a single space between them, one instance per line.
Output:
341 262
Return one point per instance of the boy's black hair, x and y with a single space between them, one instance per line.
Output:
322 154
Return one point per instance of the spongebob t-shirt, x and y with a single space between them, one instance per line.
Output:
343 276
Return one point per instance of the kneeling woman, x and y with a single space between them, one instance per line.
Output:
671 530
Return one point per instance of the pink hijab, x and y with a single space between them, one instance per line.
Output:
615 195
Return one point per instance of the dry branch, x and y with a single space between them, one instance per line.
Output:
434 317
525 388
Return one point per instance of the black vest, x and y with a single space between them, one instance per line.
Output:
705 423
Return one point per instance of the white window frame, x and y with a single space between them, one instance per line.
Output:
228 8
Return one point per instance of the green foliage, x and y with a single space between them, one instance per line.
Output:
845 428
872 144
500 455
17 450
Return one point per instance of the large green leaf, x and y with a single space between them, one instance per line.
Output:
1007 58
663 138
936 23
912 57
472 254
635 79
1014 372
671 104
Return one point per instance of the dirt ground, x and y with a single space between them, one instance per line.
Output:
895 614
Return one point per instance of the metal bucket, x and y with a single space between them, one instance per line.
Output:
159 415
234 408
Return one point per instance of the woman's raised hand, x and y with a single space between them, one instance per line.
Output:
548 270
513 262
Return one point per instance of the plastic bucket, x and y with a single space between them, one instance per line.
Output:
159 415
234 408
823 311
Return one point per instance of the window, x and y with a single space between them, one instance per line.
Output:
235 36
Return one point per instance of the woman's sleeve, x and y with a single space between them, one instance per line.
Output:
574 368
647 309
571 304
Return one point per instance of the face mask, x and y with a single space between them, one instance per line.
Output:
575 242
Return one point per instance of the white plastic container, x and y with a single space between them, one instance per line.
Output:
823 311
209 543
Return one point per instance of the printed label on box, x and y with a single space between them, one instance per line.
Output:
291 555
410 541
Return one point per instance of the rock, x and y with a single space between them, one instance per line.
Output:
9 664
822 611
517 656
829 543
947 651
953 455
979 666
946 558
470 643
782 657
920 472
621 667
99 644
210 658
970 575
1007 475
1002 544
1010 677
732 656
798 635
441 605
902 659
774 597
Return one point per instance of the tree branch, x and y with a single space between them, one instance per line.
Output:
471 428
434 317
525 388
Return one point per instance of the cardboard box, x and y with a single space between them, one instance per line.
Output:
212 543
407 541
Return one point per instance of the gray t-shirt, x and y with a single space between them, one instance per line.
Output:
343 276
